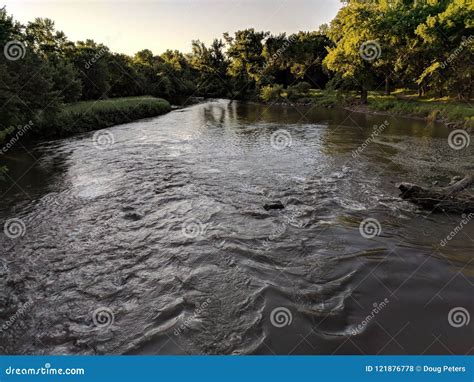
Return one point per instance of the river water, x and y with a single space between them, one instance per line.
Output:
159 242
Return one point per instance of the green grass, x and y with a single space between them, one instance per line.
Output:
326 98
92 115
442 109
401 102
113 104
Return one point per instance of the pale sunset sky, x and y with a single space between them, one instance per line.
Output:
129 26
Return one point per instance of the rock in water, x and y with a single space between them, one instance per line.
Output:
274 206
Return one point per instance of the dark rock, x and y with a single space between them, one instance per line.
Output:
274 206
133 216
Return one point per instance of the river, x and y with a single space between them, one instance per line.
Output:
151 237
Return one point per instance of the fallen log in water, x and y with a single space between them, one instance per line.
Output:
450 198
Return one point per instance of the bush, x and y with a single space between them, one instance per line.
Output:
271 93
292 93
302 87
297 91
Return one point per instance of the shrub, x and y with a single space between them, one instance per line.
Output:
271 93
302 87
292 93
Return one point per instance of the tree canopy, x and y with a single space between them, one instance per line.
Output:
370 45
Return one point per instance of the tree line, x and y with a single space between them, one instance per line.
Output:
426 46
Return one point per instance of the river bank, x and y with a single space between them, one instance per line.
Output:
80 117
94 115
85 116
453 113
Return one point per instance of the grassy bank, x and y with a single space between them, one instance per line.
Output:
85 116
433 109
81 117
404 103
92 115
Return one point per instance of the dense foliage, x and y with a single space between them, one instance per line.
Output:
426 46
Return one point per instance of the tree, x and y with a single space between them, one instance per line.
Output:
51 46
246 60
124 77
448 34
90 60
210 67
26 93
305 56
355 47
178 69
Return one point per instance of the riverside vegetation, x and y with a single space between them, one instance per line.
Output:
80 116
370 49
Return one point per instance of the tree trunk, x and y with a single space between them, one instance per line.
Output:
445 198
421 91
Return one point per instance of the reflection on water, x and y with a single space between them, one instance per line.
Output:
159 244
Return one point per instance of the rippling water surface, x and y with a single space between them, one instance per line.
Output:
159 243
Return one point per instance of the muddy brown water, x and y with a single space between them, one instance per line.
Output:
159 242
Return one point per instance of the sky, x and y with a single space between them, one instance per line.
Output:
127 26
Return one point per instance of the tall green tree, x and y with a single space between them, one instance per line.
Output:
27 86
91 61
52 47
210 67
352 32
246 66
